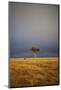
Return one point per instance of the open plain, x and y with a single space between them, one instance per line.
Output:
33 71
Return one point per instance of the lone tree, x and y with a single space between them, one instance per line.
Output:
34 50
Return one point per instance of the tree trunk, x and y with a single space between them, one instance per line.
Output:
34 54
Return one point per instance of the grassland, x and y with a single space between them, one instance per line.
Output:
33 71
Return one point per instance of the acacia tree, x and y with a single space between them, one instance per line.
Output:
34 50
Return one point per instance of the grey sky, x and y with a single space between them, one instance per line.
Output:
33 25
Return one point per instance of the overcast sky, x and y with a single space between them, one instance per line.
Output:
33 25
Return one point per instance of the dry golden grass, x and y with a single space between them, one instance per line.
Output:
33 71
